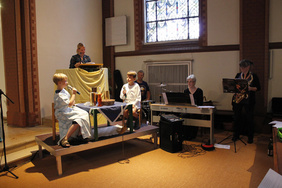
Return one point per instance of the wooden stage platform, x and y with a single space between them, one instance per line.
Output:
46 142
277 152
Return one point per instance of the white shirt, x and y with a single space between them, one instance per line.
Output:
133 94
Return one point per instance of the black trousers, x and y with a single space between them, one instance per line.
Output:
240 120
190 132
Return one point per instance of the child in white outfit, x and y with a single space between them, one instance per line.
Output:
73 121
131 94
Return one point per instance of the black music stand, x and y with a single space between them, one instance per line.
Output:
6 167
229 86
234 141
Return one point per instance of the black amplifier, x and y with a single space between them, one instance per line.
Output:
171 133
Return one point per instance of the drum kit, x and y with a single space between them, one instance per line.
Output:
146 110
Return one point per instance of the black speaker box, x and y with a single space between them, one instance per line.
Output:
277 106
171 133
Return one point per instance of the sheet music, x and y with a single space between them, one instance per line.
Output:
271 179
230 85
165 98
222 146
277 124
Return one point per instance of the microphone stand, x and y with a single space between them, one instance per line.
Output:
6 167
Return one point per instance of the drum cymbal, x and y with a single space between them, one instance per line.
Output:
161 85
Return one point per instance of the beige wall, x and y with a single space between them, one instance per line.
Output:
223 22
275 35
61 25
2 74
275 78
275 24
210 68
126 8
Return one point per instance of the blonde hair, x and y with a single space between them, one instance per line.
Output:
59 77
79 45
132 73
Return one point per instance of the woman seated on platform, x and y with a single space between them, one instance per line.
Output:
190 132
131 94
73 121
80 57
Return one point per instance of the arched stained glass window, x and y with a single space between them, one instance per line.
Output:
171 20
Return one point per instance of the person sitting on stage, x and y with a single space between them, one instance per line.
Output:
245 99
195 91
80 57
73 121
131 94
145 90
190 132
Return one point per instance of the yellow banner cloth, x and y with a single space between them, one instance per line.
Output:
84 81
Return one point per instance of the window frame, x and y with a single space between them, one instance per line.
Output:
154 86
156 21
167 46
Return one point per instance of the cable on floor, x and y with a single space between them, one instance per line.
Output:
191 150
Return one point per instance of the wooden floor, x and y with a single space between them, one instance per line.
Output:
148 167
246 168
277 152
20 143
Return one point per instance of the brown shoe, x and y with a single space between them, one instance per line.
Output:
124 128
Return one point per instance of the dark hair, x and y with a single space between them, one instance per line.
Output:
245 63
